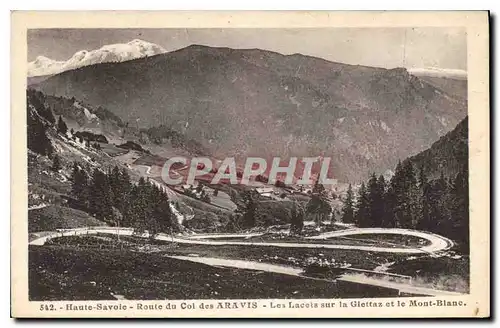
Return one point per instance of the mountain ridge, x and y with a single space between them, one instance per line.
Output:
447 156
255 102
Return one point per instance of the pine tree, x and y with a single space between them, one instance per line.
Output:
117 217
279 184
394 191
361 216
205 197
348 207
56 163
114 183
62 128
398 197
46 113
126 188
297 214
80 184
423 222
318 206
412 196
250 213
141 207
438 197
159 217
37 100
459 210
49 116
37 137
100 196
375 202
128 208
381 208
319 189
157 222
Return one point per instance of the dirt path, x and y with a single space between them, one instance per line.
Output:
403 288
36 207
360 279
228 235
242 264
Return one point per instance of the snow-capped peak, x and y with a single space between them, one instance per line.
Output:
43 59
109 53
439 72
42 64
140 42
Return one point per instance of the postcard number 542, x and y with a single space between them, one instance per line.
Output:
47 307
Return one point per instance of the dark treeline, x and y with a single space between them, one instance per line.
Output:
37 135
410 200
67 107
318 207
90 136
133 146
39 118
162 133
255 211
37 100
114 199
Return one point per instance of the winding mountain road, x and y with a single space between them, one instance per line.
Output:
437 243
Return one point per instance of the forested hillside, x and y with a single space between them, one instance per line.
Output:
429 192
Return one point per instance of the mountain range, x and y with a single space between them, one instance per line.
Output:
255 102
120 52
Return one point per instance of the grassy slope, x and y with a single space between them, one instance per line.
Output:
390 241
446 273
55 217
68 274
277 255
441 273
289 256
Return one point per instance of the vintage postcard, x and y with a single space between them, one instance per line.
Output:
250 164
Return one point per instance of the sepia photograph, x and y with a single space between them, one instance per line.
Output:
285 164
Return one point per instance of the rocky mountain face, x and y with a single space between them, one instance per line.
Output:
120 52
452 87
448 156
260 103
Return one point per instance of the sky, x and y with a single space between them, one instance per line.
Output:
381 47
